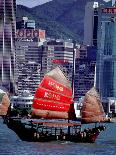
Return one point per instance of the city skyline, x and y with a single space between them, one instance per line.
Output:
33 3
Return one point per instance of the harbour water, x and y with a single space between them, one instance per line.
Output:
10 144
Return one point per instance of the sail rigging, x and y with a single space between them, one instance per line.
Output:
92 109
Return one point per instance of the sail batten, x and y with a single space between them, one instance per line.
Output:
92 109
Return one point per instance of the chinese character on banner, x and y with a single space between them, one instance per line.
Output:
29 33
104 10
109 10
20 33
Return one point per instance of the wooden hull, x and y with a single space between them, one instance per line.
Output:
30 134
90 139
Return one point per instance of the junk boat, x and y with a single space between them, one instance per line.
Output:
53 115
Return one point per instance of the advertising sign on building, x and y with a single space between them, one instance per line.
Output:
30 33
111 10
60 61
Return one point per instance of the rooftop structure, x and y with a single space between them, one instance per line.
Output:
25 23
91 23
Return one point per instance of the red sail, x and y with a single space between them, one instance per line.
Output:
51 95
53 98
50 105
92 110
53 85
52 110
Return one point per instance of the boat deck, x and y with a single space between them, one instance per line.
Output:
52 131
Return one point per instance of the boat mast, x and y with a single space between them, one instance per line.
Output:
95 78
73 72
73 77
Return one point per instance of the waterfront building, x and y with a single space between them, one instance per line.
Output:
7 40
91 23
23 100
58 53
106 57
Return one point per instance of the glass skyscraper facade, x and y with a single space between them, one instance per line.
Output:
106 57
7 40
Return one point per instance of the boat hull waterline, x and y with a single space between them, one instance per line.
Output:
44 132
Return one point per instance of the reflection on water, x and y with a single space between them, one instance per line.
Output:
10 144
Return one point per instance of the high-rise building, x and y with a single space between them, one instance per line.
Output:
28 58
27 51
58 53
84 70
91 23
29 77
106 58
7 40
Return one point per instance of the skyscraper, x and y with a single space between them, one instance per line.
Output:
106 58
91 23
84 70
7 40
